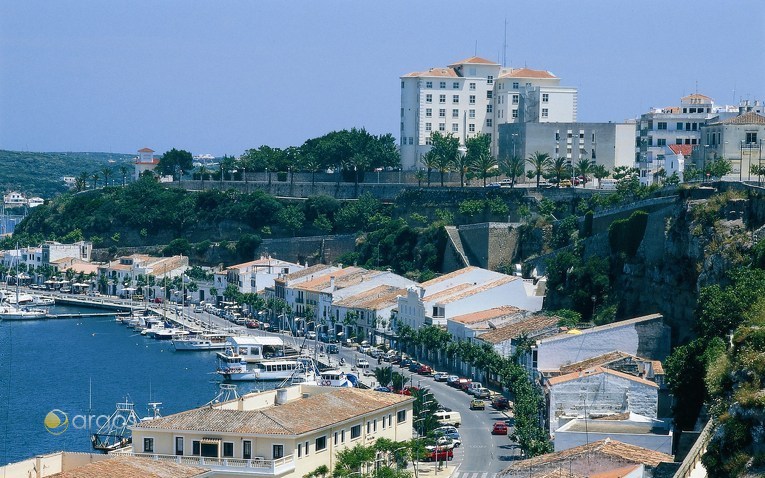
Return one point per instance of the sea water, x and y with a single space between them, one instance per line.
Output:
83 367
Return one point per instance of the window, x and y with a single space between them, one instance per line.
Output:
489 108
515 113
679 126
528 85
455 113
442 99
456 99
428 98
300 450
455 128
390 419
515 85
472 86
321 443
441 126
148 445
515 99
489 94
355 431
557 136
342 436
661 125
428 84
428 112
751 138
488 122
195 447
679 141
442 84
402 83
545 97
247 449
369 427
428 126
278 451
335 438
456 85
471 128
472 99
442 113
179 445
471 114
411 140
490 79
228 449
661 142
544 113
401 416
428 141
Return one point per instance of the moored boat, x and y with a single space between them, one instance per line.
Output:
201 342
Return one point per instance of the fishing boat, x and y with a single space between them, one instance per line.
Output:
10 312
336 378
169 333
201 342
115 432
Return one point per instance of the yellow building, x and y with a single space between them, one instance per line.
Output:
287 432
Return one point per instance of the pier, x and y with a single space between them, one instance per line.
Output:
86 315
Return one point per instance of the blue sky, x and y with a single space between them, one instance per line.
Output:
223 76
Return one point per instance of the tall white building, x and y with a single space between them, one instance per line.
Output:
474 96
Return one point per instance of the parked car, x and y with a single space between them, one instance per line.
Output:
477 404
447 430
500 428
464 384
500 403
332 349
451 380
448 418
440 376
439 455
414 367
252 324
405 363
362 363
425 370
311 335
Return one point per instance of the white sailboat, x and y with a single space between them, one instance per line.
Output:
10 311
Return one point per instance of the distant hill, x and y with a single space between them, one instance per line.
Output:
39 174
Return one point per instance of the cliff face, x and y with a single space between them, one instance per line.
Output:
689 245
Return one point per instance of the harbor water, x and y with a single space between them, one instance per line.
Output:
67 364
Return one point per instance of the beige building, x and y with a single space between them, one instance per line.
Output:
287 432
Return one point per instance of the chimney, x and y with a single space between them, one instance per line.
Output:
281 396
422 293
331 283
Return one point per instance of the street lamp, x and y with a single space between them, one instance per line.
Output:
704 162
759 164
741 162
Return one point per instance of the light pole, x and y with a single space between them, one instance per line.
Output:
741 162
704 162
759 164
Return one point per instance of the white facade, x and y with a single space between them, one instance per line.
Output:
599 392
643 337
476 96
145 161
255 276
639 431
464 291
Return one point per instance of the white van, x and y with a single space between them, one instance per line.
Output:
448 418
608 184
474 387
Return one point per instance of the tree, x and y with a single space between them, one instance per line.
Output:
600 172
430 161
106 173
175 161
445 150
480 159
291 218
203 171
582 168
558 167
512 167
718 168
246 246
81 182
227 164
538 162
95 177
124 170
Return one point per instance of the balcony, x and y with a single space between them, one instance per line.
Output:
254 467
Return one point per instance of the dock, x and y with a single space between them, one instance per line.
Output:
86 315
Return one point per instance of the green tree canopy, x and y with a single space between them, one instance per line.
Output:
173 160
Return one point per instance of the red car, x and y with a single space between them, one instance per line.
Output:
500 428
464 384
425 370
252 324
440 455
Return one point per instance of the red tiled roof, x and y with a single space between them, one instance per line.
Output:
145 150
696 96
487 314
527 73
597 371
684 149
747 118
434 72
474 60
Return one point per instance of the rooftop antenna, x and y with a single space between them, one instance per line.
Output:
504 47
475 50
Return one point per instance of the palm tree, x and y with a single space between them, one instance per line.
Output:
600 172
124 170
512 166
558 167
538 162
81 183
582 168
202 173
480 160
431 162
446 150
95 177
106 172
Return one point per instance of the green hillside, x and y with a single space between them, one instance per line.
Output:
40 174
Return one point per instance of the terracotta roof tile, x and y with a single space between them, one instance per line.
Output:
525 326
132 467
527 73
577 458
597 371
696 96
314 269
684 149
296 417
474 60
376 298
594 362
145 150
448 276
433 72
488 314
749 117
477 289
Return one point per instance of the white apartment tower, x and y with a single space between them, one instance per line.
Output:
474 96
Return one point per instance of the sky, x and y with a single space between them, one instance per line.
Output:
221 77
